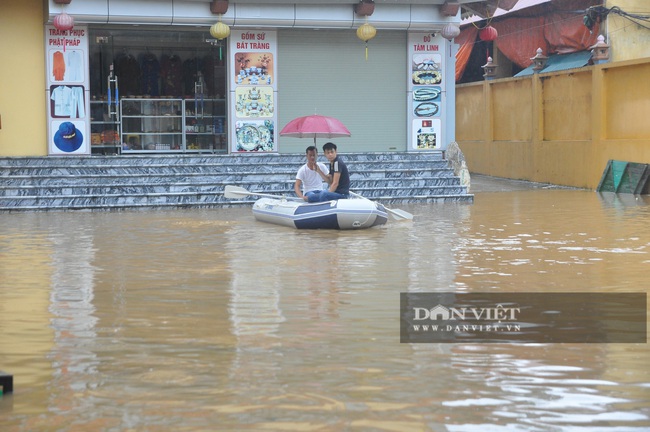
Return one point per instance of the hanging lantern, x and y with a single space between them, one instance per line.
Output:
365 33
63 21
450 31
220 31
488 34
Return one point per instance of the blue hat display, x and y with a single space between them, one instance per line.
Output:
68 138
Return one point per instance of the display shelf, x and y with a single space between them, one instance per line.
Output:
173 125
105 130
205 125
151 125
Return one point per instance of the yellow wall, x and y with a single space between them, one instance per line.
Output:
628 40
558 128
22 79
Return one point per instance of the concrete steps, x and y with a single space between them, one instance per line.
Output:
163 181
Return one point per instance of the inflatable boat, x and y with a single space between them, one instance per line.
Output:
344 214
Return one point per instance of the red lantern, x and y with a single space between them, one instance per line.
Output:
63 21
488 34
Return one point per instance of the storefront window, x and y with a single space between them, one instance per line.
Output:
157 91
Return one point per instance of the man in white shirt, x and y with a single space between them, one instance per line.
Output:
311 175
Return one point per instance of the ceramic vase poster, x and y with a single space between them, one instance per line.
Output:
253 90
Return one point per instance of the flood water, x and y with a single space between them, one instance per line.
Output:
192 320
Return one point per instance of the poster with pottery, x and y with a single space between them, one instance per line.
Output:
426 91
253 87
66 54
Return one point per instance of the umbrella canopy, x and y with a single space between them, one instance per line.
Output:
315 126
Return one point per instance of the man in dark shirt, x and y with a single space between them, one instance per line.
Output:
338 178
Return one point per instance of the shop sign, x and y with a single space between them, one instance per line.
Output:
426 91
68 91
253 90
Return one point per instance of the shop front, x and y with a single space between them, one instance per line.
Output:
157 90
131 78
144 90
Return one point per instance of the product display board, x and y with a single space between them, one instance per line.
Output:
253 90
68 106
426 91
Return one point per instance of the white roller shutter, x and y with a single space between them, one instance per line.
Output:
325 72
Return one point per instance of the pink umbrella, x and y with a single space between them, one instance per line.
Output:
316 126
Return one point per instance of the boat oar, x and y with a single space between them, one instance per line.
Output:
397 214
236 192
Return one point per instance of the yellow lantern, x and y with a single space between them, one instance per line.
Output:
220 31
366 32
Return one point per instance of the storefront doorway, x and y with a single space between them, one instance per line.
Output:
157 91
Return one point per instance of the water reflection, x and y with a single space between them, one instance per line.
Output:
72 314
207 319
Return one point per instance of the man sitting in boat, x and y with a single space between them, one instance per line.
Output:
311 175
338 177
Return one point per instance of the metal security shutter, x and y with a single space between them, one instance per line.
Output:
325 72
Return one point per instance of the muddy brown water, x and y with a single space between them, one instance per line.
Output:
208 320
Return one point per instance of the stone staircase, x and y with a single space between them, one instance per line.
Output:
193 181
